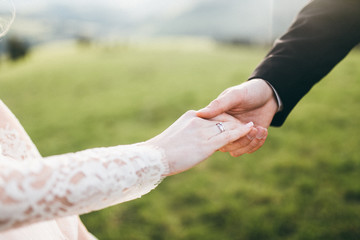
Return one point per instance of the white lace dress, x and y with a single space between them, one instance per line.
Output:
41 198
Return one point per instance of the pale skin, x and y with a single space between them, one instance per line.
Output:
253 101
190 139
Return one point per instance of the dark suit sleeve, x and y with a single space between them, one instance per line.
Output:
322 35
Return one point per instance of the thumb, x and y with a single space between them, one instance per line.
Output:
216 107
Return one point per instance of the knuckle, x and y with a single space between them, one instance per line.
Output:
195 122
257 146
244 141
190 113
254 143
236 154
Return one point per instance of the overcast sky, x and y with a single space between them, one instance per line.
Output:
260 19
135 8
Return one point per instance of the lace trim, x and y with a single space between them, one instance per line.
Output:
11 144
40 189
76 183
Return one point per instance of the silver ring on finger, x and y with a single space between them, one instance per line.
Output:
220 127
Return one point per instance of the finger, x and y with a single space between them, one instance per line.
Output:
255 144
218 127
220 105
260 143
256 133
189 114
224 117
231 135
241 143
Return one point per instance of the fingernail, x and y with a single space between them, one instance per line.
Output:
261 133
249 125
251 135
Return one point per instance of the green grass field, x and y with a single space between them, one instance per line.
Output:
304 183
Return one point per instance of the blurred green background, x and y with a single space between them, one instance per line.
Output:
304 183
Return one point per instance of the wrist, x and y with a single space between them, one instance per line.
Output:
273 95
152 144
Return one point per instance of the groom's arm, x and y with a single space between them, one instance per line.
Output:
323 33
321 36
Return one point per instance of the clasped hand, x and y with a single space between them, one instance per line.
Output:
253 101
245 111
192 139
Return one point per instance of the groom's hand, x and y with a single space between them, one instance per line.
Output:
253 101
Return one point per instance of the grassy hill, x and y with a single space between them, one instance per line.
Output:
303 184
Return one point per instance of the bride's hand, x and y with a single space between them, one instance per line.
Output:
191 139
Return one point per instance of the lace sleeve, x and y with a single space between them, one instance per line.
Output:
76 183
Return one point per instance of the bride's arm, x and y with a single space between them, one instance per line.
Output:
77 183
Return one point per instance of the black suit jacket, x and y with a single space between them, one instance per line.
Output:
322 35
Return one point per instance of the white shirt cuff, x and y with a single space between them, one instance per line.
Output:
278 99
